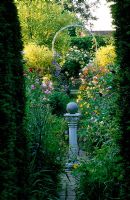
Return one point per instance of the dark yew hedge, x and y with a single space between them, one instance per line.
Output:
29 170
13 143
121 16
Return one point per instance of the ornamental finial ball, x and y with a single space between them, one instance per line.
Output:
72 108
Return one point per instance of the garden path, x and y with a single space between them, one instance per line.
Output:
68 187
68 183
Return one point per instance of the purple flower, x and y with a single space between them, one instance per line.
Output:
33 87
47 91
53 62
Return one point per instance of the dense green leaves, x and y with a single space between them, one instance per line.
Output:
41 20
121 20
13 139
47 146
87 42
101 174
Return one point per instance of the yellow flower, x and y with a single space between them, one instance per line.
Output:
38 57
88 105
105 56
97 112
79 97
75 166
82 87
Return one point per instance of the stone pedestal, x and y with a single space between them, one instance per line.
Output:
72 120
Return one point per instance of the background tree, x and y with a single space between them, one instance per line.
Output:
13 140
121 16
82 8
40 20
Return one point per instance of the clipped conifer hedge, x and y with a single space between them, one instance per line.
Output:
121 16
12 102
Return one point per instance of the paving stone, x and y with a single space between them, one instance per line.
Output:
68 187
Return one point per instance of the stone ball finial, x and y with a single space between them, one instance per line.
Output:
72 108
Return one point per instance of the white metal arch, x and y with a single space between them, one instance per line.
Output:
69 26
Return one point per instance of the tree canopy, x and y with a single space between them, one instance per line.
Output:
40 20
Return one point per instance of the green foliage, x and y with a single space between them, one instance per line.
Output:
41 20
13 141
95 91
47 152
47 145
81 8
58 101
75 60
121 20
101 171
101 177
87 42
83 48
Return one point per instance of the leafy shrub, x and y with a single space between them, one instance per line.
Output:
87 42
105 56
46 164
58 101
38 58
95 91
51 16
101 176
74 61
101 172
47 147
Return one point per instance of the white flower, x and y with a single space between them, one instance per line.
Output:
44 85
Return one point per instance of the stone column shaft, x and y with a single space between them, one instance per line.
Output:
72 120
